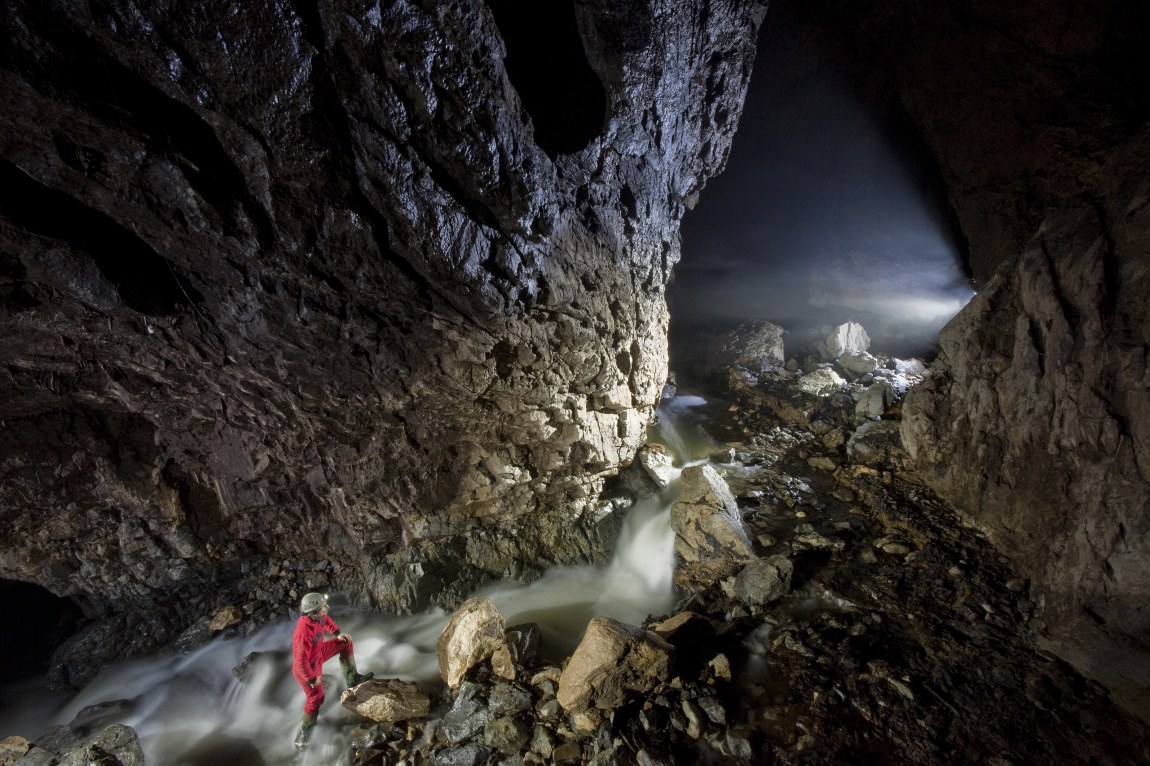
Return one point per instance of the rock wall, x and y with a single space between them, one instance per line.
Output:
1035 420
357 295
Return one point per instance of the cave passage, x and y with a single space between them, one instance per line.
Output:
830 209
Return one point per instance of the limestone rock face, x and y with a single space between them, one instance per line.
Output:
326 290
387 700
612 662
657 463
1036 420
710 541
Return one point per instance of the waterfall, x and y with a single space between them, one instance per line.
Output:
190 710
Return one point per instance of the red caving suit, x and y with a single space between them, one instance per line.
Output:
311 651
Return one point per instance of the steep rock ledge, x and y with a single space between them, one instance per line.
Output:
292 281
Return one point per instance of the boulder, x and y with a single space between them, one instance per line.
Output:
821 382
847 338
12 748
710 541
225 618
873 441
474 634
875 400
524 641
762 581
387 700
506 734
466 718
757 346
117 744
857 364
35 756
613 661
657 463
908 366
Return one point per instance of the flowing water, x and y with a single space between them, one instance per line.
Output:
190 710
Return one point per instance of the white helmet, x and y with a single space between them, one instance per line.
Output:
312 602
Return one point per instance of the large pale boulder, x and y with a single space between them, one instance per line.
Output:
474 634
613 661
847 338
857 364
387 700
710 541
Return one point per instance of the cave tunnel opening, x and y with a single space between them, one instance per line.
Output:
830 209
547 64
44 622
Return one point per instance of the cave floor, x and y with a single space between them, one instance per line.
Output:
906 638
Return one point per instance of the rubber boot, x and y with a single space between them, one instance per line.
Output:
350 674
304 735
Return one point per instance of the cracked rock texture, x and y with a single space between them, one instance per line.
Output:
341 294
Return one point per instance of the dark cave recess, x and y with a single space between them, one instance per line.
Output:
548 66
45 621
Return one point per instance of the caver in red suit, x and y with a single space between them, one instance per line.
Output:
311 650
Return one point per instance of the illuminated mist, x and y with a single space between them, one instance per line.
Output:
828 210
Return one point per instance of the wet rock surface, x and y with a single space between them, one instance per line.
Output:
1050 378
475 634
115 745
710 541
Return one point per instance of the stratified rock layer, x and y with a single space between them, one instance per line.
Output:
328 285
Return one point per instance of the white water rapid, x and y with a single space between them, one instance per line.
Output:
190 710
